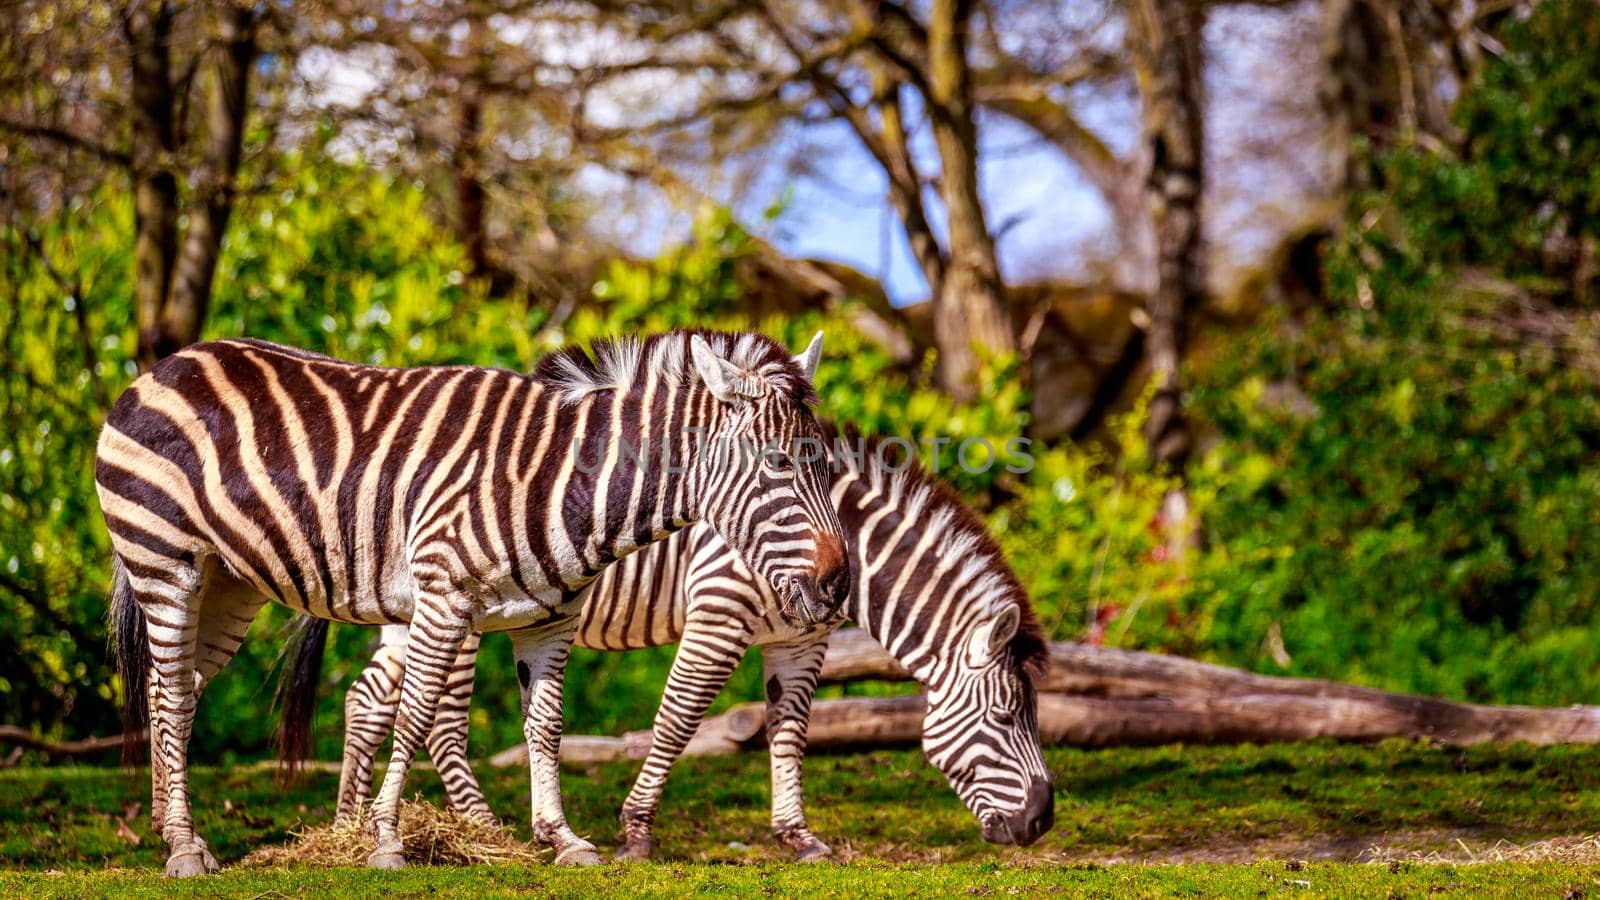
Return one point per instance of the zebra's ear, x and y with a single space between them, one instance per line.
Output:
990 638
723 378
808 360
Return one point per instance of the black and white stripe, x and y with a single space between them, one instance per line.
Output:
449 498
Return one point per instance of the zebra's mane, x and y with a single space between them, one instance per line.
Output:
961 535
619 363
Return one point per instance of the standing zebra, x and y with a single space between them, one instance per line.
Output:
931 586
455 499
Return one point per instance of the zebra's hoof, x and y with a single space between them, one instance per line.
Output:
578 855
188 864
387 857
205 855
634 851
816 851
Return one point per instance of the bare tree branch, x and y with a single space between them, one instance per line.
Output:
66 138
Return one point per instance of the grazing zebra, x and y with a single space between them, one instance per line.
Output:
931 586
456 499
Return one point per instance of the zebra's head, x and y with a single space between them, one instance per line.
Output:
982 727
763 474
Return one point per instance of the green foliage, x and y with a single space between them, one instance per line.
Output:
66 300
1524 196
340 260
1422 515
1397 489
1086 536
1402 484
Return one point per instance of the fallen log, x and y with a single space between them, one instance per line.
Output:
1100 697
22 737
1259 718
858 723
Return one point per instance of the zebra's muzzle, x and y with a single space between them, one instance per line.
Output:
1028 824
806 603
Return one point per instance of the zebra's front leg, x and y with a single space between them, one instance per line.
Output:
705 660
431 649
791 676
447 742
369 710
541 664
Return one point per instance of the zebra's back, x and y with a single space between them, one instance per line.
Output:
310 478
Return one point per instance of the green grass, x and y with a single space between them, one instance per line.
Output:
901 826
858 880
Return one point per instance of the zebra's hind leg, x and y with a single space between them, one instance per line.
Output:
196 622
431 649
707 655
541 664
369 711
447 743
227 607
791 677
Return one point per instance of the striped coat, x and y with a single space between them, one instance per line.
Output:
454 499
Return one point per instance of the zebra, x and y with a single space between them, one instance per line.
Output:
456 499
931 585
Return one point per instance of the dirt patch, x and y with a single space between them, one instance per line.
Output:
431 836
1459 846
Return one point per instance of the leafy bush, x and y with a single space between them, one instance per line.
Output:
1424 517
67 354
1524 196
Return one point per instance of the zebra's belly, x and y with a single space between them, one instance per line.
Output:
509 613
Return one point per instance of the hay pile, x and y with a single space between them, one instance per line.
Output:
1575 849
432 836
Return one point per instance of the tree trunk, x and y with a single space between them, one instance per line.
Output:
969 309
173 290
1165 36
226 108
472 198
148 28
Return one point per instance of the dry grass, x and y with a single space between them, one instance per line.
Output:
1572 849
432 836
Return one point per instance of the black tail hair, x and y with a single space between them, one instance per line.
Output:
296 699
130 651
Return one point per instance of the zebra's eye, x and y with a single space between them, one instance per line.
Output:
1004 718
780 462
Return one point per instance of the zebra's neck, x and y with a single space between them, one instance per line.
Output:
926 571
634 472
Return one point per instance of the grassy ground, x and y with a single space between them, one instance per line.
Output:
1194 809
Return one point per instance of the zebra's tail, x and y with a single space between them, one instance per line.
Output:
130 651
296 698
